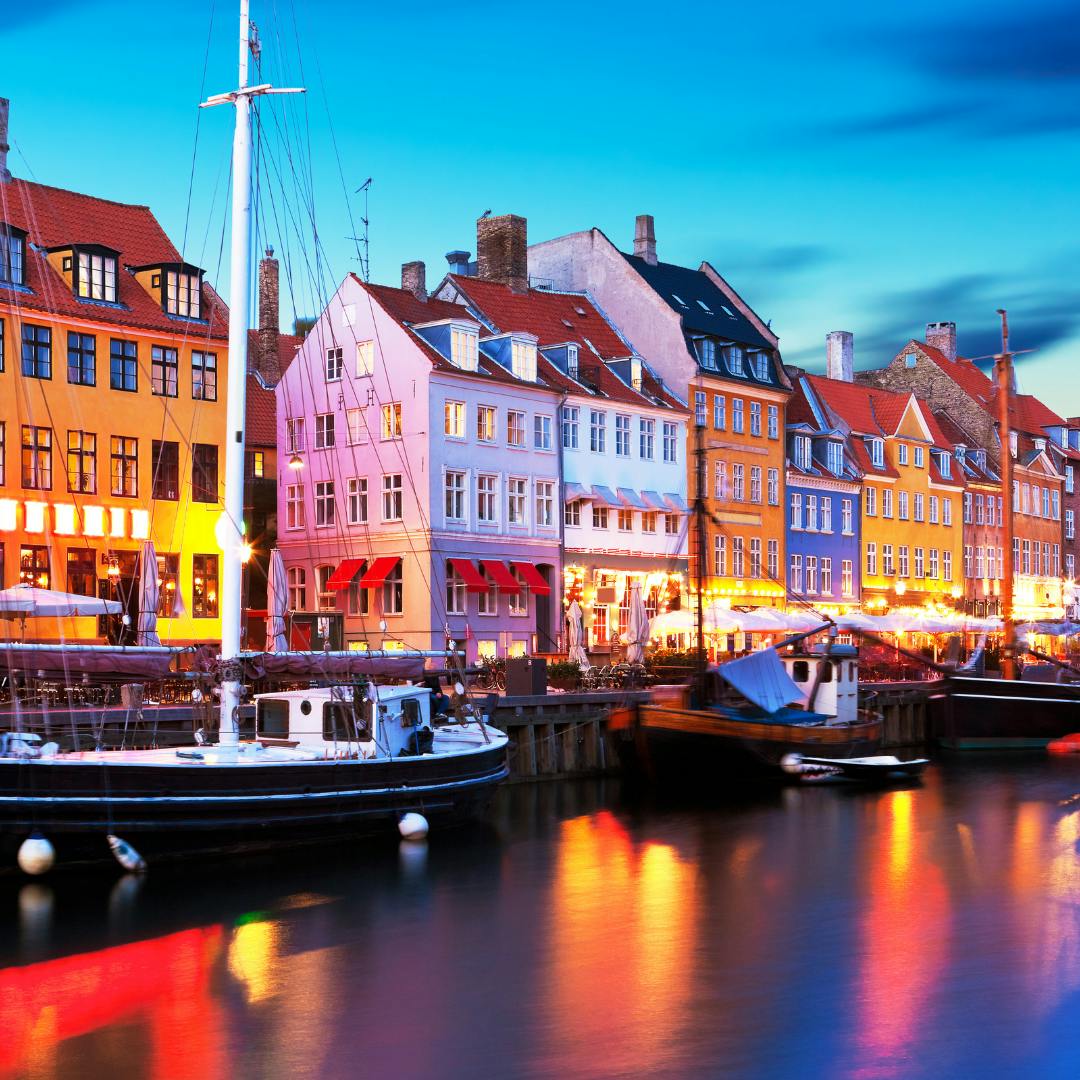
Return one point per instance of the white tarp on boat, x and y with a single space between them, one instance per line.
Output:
761 678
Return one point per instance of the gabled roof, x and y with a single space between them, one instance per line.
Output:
54 219
1030 415
864 409
260 416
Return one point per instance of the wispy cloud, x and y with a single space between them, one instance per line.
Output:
20 16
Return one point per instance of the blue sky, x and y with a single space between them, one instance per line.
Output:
845 167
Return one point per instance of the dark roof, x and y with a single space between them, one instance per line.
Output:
722 319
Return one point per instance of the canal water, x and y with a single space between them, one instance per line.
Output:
932 931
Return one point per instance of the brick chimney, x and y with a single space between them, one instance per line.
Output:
942 335
266 362
502 250
645 238
414 280
5 176
840 355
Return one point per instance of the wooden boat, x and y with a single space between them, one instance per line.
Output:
879 769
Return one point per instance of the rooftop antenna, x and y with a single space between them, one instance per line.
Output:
363 257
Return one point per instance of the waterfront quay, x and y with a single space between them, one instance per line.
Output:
812 932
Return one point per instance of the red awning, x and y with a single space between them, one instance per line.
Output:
342 577
474 581
499 574
379 571
532 578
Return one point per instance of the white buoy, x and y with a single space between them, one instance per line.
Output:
413 827
792 764
126 855
36 855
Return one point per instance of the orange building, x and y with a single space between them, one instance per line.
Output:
113 368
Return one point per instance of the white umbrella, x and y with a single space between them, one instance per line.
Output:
277 602
149 590
855 620
575 636
672 622
28 601
637 630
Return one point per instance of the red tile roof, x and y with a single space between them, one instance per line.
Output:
260 425
865 409
55 218
1030 415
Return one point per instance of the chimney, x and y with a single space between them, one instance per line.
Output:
942 335
840 355
502 250
414 280
5 176
459 262
645 238
266 361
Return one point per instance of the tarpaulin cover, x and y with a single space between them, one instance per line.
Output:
320 664
762 679
115 662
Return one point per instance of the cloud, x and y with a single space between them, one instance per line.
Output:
971 119
21 16
915 120
783 260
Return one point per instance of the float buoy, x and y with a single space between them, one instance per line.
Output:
36 855
126 855
413 827
792 764
1070 744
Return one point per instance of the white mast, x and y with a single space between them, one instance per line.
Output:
230 525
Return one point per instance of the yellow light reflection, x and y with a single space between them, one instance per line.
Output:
253 958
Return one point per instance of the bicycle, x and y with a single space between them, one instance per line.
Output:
491 674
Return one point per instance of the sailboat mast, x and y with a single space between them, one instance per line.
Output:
1003 372
700 537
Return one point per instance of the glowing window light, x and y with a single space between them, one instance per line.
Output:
35 517
140 524
116 521
93 521
7 515
64 520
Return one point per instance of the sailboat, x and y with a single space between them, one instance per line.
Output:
357 757
972 712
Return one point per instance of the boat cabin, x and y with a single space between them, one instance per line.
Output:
386 722
836 677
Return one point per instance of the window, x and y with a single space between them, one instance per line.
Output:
811 513
82 573
1070 524
294 435
932 566
523 360
871 558
204 586
34 566
901 454
294 507
755 556
933 517
738 559
165 470
755 417
365 361
464 348
517 499
356 500
12 256
487 506
487 602
700 408
391 420
648 521
834 457
796 510
297 588
123 365
847 578
886 502
968 504
902 505
515 428
774 487
980 558
624 520
356 426
888 567
707 353
36 351
671 524
946 511
877 453
542 433
772 555
572 513
545 503
719 412
391 497
720 555
1055 505
802 452
600 517
3 339
485 423
646 438
759 365
334 364
919 457
204 472
733 356
826 514
82 462
945 465
597 431
905 560
325 515
774 422
870 501
125 466
456 593
946 565
737 423
847 517
327 599
622 435
37 458
454 495
164 371
755 483
204 376
570 426
182 295
572 361
811 574
96 277
82 359
796 580
671 442
1070 480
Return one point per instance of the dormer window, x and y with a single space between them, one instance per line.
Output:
945 465
877 453
733 360
183 295
1012 443
464 348
835 457
802 451
523 360
1040 444
707 353
572 361
12 256
93 274
980 458
759 364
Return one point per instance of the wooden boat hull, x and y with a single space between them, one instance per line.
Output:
674 744
170 811
970 713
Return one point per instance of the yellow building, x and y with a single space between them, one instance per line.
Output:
113 370
912 500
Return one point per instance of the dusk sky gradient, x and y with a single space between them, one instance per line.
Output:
844 167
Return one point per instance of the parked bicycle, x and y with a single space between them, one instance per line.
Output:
491 673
